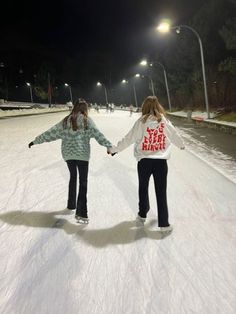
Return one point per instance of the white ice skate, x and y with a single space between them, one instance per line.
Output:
140 221
82 220
165 229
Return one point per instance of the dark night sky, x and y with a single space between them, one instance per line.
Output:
122 30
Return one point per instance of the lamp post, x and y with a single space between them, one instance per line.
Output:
134 88
71 98
164 28
134 91
105 91
31 94
166 84
3 80
124 82
145 63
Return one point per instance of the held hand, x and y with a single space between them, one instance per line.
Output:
110 153
30 144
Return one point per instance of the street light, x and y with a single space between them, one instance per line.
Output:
134 89
165 28
166 83
71 98
137 75
4 81
145 63
125 82
105 91
31 94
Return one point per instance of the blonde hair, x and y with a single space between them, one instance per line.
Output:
152 108
80 107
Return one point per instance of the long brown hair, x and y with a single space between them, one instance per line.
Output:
80 107
152 107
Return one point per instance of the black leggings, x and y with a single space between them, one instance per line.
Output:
159 169
81 204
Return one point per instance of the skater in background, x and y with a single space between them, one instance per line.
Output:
75 131
131 110
152 135
97 107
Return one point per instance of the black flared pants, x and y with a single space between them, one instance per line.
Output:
79 203
159 169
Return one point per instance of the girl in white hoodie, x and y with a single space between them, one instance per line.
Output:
152 135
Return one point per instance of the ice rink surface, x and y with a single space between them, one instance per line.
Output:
50 264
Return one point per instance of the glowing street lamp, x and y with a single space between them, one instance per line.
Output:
71 98
145 63
166 83
124 81
165 28
105 90
137 75
31 94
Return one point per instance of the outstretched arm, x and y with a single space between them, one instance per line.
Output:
53 134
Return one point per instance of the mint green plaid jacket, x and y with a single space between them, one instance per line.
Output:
75 145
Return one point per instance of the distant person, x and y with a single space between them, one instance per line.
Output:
97 108
112 107
131 110
75 131
152 135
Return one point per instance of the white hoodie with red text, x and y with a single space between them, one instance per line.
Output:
152 139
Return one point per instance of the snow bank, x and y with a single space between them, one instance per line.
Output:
23 112
202 115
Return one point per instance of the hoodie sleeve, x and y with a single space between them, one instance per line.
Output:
130 138
173 135
53 134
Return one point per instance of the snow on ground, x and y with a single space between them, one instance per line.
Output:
50 264
203 115
216 159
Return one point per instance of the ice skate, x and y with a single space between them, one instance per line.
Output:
140 221
81 220
165 229
69 211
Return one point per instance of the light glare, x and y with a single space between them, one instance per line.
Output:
164 27
143 62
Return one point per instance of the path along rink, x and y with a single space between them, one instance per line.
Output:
50 264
